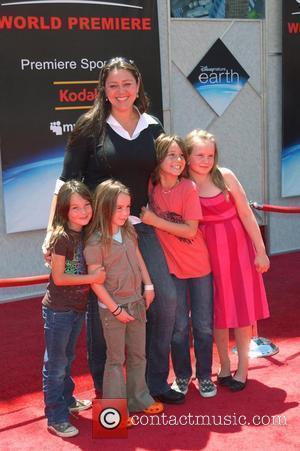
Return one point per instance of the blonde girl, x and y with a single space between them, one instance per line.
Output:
237 253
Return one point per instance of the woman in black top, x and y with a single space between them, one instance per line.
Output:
115 139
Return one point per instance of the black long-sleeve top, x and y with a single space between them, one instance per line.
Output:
129 161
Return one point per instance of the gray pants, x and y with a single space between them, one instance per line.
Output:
130 337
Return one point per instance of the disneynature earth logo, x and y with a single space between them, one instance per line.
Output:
218 77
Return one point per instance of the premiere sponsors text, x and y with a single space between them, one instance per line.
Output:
57 64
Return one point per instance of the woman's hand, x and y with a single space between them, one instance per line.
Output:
261 263
46 250
148 217
149 296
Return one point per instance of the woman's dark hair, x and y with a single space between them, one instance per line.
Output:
93 122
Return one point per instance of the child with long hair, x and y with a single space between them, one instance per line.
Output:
237 253
112 243
64 305
175 211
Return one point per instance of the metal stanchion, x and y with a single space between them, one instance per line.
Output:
260 346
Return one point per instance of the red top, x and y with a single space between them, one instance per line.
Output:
186 258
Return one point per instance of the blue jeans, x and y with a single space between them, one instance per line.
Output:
61 330
96 345
201 301
161 314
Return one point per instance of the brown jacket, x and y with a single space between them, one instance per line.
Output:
123 276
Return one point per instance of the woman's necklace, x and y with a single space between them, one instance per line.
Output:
167 191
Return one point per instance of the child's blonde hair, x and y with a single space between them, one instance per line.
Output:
105 201
162 145
61 215
203 135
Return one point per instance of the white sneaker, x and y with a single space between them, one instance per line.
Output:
181 385
79 405
65 429
207 388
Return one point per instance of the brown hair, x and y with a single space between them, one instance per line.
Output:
93 122
61 214
162 145
203 135
105 201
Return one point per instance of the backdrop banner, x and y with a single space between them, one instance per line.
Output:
218 9
290 158
51 54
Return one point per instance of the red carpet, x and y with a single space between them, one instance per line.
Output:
273 389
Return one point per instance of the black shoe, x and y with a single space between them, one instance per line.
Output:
224 381
171 397
237 385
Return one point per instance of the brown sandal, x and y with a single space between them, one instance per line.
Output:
154 409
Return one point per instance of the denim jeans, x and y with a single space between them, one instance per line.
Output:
61 330
96 345
161 313
200 291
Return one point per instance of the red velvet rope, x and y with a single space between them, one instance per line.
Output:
35 280
21 281
274 208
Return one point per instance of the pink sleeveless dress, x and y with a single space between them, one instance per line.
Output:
239 296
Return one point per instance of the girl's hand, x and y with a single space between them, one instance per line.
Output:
261 263
99 275
148 217
124 317
149 296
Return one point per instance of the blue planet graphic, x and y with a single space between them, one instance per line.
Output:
220 95
290 170
28 190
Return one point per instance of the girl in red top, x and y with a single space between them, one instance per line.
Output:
175 212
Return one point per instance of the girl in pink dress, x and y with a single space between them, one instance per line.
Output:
237 254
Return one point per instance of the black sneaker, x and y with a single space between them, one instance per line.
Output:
207 388
171 397
181 385
64 429
79 405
